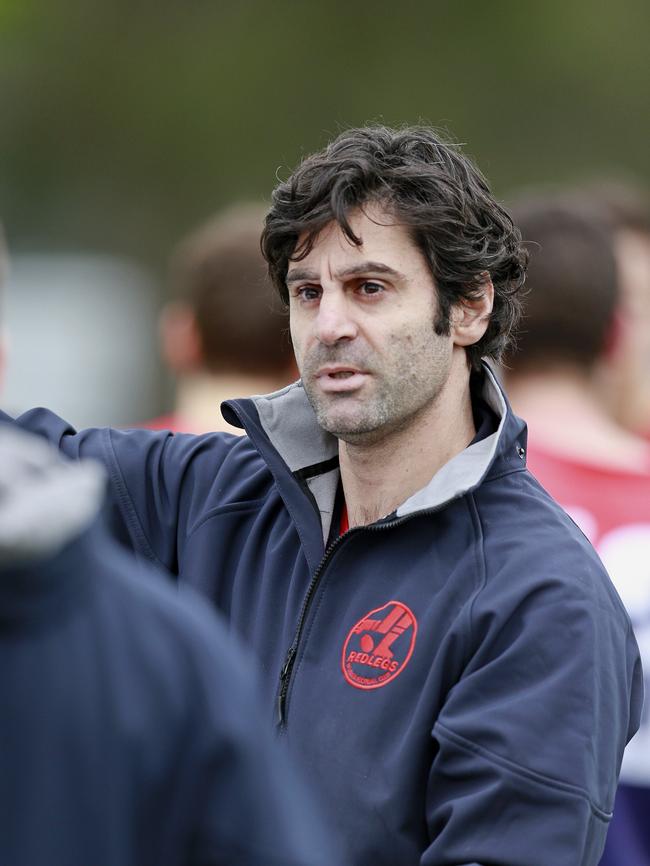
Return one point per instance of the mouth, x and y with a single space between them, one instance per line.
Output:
337 371
341 374
340 379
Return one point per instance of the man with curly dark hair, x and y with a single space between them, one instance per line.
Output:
431 189
401 272
441 647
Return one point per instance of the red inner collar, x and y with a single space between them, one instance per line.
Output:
344 525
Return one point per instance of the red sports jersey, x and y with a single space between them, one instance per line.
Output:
612 507
171 422
602 500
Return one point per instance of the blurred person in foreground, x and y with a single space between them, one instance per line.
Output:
225 333
441 647
595 468
129 727
625 372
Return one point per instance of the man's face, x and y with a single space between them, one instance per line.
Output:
362 325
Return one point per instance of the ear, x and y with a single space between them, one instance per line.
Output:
179 338
470 318
616 337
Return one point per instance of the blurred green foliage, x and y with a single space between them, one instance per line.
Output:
125 123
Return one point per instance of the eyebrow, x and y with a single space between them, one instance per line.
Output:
362 268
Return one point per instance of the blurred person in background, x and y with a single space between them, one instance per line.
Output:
441 647
596 468
224 334
625 371
130 730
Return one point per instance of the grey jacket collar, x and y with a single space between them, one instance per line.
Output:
466 470
290 424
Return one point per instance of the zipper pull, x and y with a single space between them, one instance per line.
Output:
284 682
287 663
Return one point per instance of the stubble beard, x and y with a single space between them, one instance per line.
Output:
399 390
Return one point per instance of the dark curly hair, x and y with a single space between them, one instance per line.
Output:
429 186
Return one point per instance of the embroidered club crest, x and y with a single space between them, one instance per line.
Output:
379 646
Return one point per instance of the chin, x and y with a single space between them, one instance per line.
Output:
355 431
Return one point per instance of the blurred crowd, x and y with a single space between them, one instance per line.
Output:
580 377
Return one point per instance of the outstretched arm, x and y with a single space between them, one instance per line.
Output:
155 479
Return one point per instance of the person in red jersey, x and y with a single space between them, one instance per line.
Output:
625 372
595 468
224 334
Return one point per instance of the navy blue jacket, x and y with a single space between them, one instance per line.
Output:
130 731
459 679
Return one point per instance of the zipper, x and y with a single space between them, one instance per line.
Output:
287 667
284 682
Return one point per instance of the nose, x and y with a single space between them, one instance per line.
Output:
334 320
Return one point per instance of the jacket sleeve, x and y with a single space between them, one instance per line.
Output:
529 744
157 481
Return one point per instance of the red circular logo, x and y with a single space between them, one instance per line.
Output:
379 646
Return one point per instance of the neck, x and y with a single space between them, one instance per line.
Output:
566 415
378 477
199 396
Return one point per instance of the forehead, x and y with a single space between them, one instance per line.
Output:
383 240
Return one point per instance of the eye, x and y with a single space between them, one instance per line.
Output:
370 287
308 293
